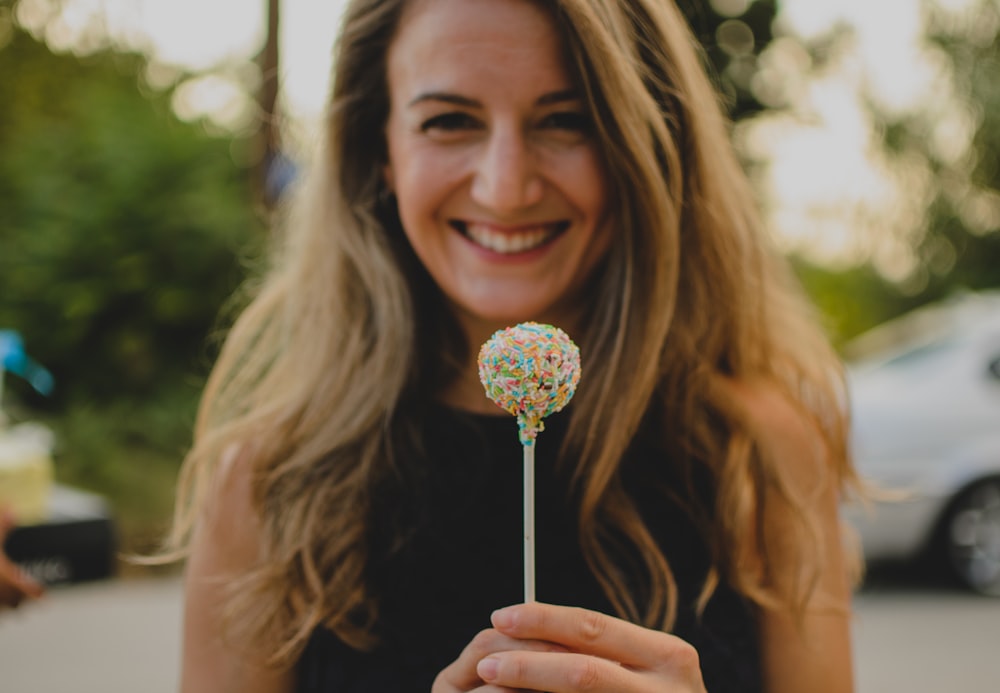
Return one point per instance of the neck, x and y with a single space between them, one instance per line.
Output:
467 394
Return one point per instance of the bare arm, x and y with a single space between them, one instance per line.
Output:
224 545
811 653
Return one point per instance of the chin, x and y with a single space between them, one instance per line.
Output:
487 321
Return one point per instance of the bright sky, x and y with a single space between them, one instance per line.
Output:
202 33
825 183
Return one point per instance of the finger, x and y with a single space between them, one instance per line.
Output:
561 672
16 580
10 597
461 674
598 634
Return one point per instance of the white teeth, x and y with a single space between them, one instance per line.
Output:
508 243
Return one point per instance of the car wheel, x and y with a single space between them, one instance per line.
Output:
972 535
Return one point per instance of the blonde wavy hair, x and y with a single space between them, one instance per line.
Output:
317 376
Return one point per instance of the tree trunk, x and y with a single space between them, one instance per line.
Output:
269 139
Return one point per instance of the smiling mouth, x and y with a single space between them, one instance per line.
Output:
509 242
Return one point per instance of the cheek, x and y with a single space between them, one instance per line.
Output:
586 181
422 177
589 186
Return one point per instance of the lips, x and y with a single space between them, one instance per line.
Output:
509 241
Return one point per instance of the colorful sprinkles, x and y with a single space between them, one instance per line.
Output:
531 370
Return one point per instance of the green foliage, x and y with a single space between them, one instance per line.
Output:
961 245
957 247
852 300
128 451
120 226
732 45
122 232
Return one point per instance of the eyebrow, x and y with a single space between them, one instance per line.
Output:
549 99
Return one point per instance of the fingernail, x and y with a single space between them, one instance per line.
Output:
487 668
503 618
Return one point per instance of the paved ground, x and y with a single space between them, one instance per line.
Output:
122 637
918 642
106 637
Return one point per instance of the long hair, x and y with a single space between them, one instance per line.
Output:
315 375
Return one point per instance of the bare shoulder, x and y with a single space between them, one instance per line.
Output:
799 493
225 543
787 436
228 512
224 547
810 651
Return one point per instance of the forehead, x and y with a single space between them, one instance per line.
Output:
470 43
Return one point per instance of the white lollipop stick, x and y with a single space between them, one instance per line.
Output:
529 523
531 370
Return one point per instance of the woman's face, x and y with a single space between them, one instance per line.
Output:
501 189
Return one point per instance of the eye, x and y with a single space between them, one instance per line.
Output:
571 121
449 122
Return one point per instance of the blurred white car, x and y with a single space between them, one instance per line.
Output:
926 424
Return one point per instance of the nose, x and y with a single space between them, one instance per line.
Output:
506 174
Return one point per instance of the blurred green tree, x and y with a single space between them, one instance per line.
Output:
121 227
948 150
854 299
961 246
733 34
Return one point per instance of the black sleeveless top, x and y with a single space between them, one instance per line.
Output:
462 559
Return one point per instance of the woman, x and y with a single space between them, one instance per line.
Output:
350 503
